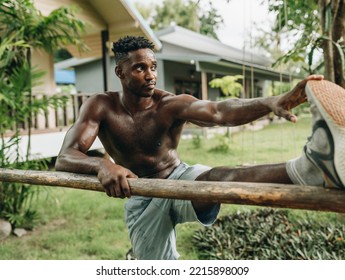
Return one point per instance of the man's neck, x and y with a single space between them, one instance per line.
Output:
133 103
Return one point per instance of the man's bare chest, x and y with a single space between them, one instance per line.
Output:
141 132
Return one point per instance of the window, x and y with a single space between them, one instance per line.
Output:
187 87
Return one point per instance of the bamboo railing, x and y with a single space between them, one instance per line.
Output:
260 194
53 118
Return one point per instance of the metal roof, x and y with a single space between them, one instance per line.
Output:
196 42
210 55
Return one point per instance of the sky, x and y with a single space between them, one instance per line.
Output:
240 17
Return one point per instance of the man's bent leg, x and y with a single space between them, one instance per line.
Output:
151 221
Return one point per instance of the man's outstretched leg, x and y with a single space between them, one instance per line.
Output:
322 162
326 147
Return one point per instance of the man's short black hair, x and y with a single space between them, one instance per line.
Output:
130 43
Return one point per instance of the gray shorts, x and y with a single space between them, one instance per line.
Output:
151 221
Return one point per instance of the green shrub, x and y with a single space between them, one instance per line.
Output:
269 234
197 141
17 200
222 144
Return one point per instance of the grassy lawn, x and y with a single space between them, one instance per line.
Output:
75 224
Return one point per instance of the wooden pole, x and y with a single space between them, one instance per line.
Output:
260 194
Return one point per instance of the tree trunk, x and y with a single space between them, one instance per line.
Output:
327 45
28 148
339 37
333 28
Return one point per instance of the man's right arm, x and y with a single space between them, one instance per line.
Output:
78 139
73 157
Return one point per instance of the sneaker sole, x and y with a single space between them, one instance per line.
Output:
330 101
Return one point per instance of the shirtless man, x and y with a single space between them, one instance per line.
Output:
140 129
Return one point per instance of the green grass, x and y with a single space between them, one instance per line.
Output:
76 224
275 143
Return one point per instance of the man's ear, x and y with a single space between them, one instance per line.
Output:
118 72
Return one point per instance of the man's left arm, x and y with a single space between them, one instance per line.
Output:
248 110
236 111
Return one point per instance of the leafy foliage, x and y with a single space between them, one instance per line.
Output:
269 234
309 26
50 32
228 85
296 22
222 144
15 199
197 141
186 13
23 27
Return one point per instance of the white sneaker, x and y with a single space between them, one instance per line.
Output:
326 147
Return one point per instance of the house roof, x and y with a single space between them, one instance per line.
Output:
119 17
73 62
197 42
211 55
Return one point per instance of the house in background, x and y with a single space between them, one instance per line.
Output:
190 61
187 62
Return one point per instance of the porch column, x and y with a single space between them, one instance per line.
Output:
204 96
204 86
105 58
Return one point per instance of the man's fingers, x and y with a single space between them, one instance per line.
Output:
125 187
109 190
118 190
121 188
288 116
292 118
315 77
116 185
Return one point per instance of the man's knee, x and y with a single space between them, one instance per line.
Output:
204 176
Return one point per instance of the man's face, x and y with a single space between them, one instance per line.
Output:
138 73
